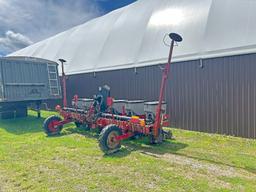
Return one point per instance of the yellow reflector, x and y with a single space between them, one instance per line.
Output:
142 123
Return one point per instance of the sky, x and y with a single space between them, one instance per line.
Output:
24 22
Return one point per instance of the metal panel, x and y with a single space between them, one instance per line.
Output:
28 80
1 83
212 95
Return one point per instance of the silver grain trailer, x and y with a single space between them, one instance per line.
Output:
26 80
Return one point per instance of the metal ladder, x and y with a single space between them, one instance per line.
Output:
53 82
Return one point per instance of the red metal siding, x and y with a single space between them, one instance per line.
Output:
218 98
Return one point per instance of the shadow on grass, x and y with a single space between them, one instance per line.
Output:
32 124
19 126
251 169
141 144
93 133
246 168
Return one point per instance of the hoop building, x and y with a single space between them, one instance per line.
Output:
212 85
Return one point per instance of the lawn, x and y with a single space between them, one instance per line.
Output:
30 161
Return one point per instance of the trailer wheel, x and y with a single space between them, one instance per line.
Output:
83 126
107 142
49 127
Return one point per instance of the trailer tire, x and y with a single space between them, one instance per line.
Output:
107 142
49 128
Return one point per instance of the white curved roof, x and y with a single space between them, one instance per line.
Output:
133 36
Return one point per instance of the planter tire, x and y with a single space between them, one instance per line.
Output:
49 127
157 140
107 142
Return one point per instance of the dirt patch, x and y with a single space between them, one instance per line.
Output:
214 169
1 182
81 188
202 169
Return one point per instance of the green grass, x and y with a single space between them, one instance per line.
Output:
30 161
